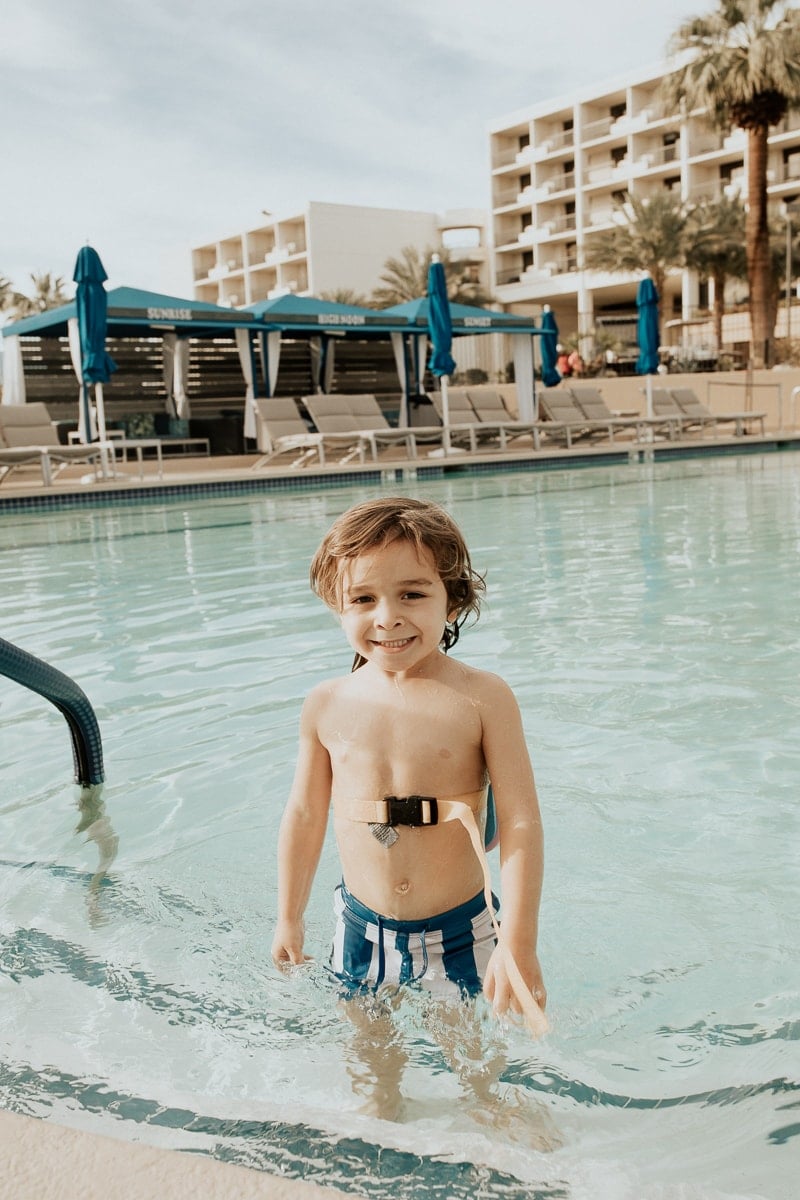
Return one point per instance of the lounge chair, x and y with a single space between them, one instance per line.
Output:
370 416
490 409
591 403
464 424
27 434
281 429
687 401
337 413
666 406
565 421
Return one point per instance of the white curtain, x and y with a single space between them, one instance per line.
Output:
523 376
246 360
328 365
271 357
13 373
176 374
87 429
315 354
399 348
180 380
419 354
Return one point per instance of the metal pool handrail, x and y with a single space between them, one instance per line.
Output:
69 699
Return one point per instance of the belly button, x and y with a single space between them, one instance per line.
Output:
403 886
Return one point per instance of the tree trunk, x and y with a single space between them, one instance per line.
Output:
719 307
758 256
658 277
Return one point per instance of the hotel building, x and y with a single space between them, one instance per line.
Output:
329 248
559 169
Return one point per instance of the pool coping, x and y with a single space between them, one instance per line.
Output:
215 478
41 1158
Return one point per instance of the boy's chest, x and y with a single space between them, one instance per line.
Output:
432 724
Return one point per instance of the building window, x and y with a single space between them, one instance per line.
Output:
618 110
527 259
670 143
524 140
618 153
524 181
728 171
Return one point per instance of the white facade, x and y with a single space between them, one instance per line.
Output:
327 248
557 170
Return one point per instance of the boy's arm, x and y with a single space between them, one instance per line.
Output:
300 839
521 846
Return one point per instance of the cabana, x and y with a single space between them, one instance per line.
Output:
132 313
467 319
322 322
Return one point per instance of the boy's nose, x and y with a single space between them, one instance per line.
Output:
386 616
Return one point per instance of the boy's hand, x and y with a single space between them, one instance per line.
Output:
497 985
287 946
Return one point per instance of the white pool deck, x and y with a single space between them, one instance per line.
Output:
231 473
45 1161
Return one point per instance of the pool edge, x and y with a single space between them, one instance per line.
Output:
40 1157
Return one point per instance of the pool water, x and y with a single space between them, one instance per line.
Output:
647 618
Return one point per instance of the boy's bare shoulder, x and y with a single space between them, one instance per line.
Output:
487 687
323 694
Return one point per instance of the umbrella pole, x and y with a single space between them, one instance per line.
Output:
649 394
101 411
445 384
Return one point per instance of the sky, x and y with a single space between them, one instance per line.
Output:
146 127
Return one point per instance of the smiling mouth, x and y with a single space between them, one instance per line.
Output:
395 644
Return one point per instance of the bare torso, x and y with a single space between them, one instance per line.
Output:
390 736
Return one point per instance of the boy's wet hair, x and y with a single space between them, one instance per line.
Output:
376 523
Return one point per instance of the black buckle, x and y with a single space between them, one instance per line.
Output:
412 810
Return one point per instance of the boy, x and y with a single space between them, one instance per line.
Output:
403 749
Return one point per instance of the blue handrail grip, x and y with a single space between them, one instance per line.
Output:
71 701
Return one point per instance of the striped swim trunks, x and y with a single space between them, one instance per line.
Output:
447 954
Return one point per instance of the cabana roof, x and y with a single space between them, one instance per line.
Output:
466 318
309 314
132 312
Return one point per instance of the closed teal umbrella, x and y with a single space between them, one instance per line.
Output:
647 328
440 324
97 365
549 343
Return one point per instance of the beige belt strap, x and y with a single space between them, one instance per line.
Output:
459 808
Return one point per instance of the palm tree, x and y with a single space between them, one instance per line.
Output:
649 235
715 248
49 291
406 278
6 291
345 296
745 70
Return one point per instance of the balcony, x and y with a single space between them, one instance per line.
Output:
555 143
593 131
553 226
659 156
610 172
558 183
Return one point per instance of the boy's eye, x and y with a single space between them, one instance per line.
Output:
415 596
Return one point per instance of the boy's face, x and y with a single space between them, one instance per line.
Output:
394 606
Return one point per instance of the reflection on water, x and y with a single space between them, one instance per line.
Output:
643 616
